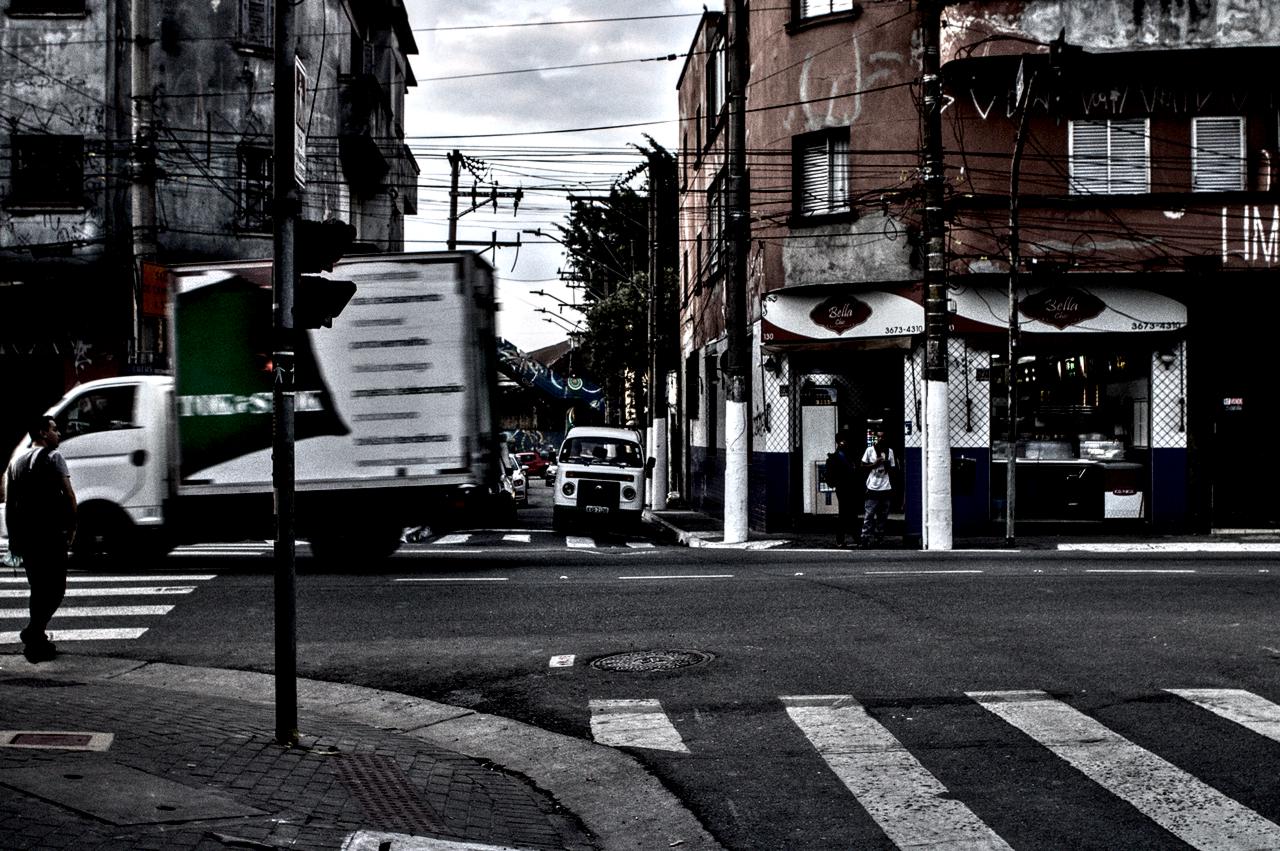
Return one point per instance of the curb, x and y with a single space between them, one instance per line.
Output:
708 539
618 800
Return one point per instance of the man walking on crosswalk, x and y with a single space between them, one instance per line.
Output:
40 510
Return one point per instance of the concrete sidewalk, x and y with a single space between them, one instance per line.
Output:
117 753
697 529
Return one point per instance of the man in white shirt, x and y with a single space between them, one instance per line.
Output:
878 460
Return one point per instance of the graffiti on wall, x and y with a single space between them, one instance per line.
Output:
1251 235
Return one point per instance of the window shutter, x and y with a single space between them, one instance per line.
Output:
255 21
1088 157
1217 154
824 170
1129 157
814 8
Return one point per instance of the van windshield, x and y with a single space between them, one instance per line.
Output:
601 450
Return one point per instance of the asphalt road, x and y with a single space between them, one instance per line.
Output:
842 700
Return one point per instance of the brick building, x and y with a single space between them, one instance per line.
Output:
139 132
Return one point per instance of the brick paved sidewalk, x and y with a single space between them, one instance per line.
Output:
184 770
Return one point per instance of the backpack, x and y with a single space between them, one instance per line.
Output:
36 509
839 470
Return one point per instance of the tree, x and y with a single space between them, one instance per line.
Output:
608 245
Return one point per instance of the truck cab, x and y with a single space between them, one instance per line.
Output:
599 482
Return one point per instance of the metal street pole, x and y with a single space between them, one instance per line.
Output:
736 434
937 437
287 205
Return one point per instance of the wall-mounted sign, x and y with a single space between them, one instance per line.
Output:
1067 309
1062 307
807 318
1233 403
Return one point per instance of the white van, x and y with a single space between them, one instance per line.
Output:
599 480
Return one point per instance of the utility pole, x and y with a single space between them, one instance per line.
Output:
937 438
455 165
738 204
456 160
662 242
1022 101
287 206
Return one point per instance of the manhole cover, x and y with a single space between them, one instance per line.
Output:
652 660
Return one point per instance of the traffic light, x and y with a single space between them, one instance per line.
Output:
318 301
317 247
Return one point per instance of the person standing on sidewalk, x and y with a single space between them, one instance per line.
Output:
878 460
40 509
842 474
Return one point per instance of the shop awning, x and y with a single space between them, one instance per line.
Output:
789 318
1064 308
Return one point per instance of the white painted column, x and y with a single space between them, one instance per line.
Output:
658 482
736 463
937 462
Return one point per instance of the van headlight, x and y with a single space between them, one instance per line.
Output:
628 493
568 488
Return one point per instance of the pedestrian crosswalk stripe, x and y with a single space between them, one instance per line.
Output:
60 635
520 538
1237 705
91 612
107 592
1195 812
639 545
576 542
634 723
909 803
445 540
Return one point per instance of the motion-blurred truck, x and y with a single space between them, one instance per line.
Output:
394 417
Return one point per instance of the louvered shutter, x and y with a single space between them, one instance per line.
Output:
1217 154
255 21
1088 157
824 177
1128 157
814 8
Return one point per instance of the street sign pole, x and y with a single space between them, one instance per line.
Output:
288 76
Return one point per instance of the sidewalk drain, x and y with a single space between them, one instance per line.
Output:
652 660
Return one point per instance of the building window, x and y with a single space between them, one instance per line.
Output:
1110 157
818 8
48 171
256 188
717 84
715 224
256 18
46 7
820 182
1217 154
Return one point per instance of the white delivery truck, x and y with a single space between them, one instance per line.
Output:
394 413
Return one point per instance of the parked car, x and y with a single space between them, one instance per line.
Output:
519 480
532 462
549 474
599 481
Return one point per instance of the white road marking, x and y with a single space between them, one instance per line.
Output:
453 579
1173 547
211 551
1193 811
915 572
60 635
445 540
1136 570
1244 708
688 576
634 724
522 538
639 545
577 542
110 592
908 802
565 661
142 577
91 612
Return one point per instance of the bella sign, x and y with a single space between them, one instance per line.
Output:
840 313
1062 307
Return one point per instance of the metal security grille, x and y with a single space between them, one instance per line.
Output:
1169 398
968 395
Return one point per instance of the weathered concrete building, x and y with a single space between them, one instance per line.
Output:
1147 227
139 132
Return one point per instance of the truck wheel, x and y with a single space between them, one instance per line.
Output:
104 536
355 550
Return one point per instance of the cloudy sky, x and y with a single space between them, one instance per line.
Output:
484 117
